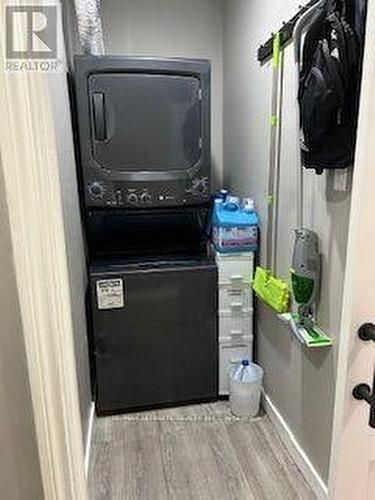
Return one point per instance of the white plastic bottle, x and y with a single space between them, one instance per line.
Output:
242 372
248 205
245 389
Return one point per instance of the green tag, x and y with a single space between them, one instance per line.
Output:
276 49
271 199
274 120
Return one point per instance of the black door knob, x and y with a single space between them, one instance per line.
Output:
367 332
363 392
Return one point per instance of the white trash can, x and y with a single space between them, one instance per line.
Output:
245 384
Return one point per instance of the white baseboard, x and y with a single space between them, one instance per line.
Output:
302 461
89 437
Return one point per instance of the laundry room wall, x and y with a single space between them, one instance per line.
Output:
172 28
299 382
72 217
19 460
73 239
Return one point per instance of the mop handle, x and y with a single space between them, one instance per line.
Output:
272 195
275 238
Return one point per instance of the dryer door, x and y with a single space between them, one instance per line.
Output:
145 123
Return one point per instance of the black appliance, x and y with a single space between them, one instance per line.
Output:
144 131
169 231
155 332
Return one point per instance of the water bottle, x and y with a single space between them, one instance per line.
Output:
222 195
235 225
218 205
242 373
232 203
245 385
248 205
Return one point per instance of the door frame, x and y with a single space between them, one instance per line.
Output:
343 442
29 159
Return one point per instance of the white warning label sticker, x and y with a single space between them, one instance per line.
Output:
110 293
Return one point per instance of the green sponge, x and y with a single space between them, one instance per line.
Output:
273 291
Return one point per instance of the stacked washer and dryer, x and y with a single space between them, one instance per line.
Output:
143 130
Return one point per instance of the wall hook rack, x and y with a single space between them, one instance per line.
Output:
286 32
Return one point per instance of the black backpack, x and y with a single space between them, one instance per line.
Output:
330 84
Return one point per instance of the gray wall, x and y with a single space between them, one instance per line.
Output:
168 28
72 217
19 461
299 382
73 239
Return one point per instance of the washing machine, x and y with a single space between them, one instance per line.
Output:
154 331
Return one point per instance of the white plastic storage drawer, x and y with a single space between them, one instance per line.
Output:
235 325
235 298
232 353
235 268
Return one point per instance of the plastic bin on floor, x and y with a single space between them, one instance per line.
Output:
244 393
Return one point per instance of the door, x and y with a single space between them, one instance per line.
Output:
145 122
156 344
352 474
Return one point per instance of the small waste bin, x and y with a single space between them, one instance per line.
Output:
245 384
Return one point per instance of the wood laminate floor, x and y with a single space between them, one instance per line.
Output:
198 452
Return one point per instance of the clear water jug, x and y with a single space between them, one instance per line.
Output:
245 385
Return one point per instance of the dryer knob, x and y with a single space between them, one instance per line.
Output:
146 198
132 198
200 186
96 190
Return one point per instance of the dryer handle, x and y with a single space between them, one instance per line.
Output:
99 116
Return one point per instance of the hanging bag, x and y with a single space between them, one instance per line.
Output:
328 91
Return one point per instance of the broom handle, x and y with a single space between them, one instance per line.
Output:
272 201
275 238
300 177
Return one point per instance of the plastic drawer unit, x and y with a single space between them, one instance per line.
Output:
235 312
